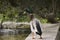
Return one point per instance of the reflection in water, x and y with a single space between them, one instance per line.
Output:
13 34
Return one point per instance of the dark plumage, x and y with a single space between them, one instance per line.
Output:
29 10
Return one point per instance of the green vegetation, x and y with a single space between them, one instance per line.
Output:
48 10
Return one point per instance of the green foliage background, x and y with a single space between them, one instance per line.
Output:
13 10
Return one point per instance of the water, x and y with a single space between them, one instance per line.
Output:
13 34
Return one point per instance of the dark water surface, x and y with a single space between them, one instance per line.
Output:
14 34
